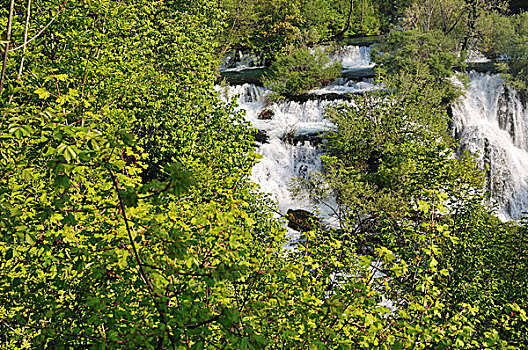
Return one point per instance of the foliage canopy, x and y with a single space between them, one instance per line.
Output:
128 220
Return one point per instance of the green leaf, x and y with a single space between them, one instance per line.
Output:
369 320
30 239
397 346
130 197
27 174
70 153
198 346
8 254
62 180
433 262
42 93
127 138
244 343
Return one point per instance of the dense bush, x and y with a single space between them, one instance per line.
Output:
127 218
506 37
301 70
421 57
395 187
124 193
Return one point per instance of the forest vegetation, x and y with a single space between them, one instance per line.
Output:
128 219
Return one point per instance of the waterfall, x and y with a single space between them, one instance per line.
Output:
282 159
492 121
353 57
289 148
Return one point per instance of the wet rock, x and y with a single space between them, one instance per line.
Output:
361 40
302 220
294 138
483 67
288 137
266 114
329 96
358 73
243 76
261 136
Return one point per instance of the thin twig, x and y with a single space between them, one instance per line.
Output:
138 260
8 40
25 40
42 30
136 255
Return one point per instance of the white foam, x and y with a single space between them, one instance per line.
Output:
492 122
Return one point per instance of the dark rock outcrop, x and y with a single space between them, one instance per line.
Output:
361 40
243 76
302 220
329 96
313 137
266 114
261 136
358 73
255 75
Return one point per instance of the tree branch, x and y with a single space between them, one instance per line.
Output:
42 30
349 20
138 260
25 40
8 40
203 323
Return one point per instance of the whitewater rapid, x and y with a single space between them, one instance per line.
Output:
491 121
290 148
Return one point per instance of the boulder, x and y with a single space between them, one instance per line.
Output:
266 114
302 220
261 137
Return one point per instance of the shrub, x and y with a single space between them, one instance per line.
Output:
301 70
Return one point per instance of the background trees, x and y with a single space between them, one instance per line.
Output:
505 37
486 26
404 197
271 26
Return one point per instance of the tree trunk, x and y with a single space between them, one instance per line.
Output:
472 20
349 20
362 12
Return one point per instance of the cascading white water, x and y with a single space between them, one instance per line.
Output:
282 160
492 122
353 57
344 86
289 126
